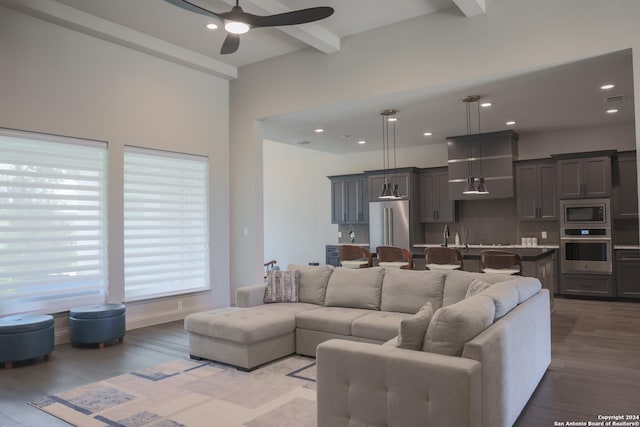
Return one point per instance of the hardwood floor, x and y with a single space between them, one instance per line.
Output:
595 368
595 364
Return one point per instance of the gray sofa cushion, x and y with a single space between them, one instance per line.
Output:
313 282
406 291
454 325
247 325
457 282
335 320
504 296
378 325
356 288
412 331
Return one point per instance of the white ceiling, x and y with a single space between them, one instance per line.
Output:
567 96
183 28
563 97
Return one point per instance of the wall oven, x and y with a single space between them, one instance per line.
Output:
585 236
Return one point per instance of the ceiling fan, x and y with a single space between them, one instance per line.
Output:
237 21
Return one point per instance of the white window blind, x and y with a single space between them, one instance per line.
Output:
166 223
53 226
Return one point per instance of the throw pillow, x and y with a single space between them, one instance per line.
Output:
282 286
412 331
475 287
454 325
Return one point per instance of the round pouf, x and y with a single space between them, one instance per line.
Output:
97 324
25 337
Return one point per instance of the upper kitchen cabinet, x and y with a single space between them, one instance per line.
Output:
625 186
536 191
488 154
584 177
349 199
406 178
435 203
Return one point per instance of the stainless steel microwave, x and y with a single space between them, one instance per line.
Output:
585 212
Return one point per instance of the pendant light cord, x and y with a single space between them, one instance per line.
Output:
395 165
480 138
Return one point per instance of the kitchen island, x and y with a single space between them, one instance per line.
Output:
537 261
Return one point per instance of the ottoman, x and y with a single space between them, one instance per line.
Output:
97 324
25 337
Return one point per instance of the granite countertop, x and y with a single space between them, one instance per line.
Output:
480 246
527 253
633 247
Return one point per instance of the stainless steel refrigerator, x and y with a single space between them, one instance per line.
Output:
390 224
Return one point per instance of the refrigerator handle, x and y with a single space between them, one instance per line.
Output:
390 227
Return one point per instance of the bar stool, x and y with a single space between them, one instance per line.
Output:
25 337
352 256
394 257
440 258
500 262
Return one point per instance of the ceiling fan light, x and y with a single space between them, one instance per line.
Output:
470 187
235 27
482 189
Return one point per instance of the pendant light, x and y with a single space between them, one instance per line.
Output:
390 189
470 187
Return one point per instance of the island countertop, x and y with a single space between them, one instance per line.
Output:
527 253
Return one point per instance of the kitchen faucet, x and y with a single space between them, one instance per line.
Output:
446 236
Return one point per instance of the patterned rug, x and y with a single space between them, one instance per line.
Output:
193 394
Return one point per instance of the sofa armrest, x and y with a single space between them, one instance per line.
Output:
368 384
250 296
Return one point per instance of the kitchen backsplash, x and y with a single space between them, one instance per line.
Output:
496 222
493 222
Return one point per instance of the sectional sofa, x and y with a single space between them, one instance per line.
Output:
480 361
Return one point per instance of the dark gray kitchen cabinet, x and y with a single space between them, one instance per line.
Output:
584 177
332 255
625 186
627 273
597 285
435 203
349 199
536 191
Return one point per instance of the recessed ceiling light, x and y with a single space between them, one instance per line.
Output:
212 26
319 130
427 133
392 119
607 86
511 123
486 104
362 142
612 111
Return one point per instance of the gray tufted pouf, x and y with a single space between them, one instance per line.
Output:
25 337
97 324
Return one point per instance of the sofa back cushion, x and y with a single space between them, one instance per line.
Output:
355 288
504 296
457 282
454 325
313 282
405 291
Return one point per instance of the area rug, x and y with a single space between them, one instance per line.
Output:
193 394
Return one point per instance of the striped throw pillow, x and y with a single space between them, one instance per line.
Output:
282 286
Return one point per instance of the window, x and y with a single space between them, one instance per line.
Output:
53 226
166 223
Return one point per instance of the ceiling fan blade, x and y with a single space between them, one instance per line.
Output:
192 7
231 44
295 17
